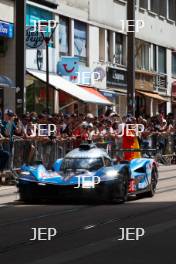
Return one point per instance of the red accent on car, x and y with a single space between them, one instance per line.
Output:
131 187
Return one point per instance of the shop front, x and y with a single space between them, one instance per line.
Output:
148 101
72 97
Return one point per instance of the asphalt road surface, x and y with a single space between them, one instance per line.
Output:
90 233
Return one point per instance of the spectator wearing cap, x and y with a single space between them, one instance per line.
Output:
91 131
9 127
84 135
89 118
114 117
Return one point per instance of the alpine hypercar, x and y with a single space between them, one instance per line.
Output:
88 171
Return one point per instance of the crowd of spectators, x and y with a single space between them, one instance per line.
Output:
80 127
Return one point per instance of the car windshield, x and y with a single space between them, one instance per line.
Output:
90 164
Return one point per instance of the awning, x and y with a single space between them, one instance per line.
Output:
87 95
152 95
5 81
119 91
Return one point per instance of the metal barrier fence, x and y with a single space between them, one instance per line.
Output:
47 151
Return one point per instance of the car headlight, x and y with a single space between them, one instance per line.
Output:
111 174
25 173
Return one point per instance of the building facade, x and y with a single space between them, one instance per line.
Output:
7 55
92 32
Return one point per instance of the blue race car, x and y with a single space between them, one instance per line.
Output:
88 171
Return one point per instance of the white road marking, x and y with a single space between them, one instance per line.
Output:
89 227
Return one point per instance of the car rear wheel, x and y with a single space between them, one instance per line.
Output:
124 189
153 183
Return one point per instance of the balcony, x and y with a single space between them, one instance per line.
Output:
160 83
144 80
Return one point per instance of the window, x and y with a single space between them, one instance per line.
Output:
163 8
142 54
161 60
154 6
143 4
102 44
64 36
80 40
119 48
154 58
108 45
73 164
174 64
159 7
172 9
35 14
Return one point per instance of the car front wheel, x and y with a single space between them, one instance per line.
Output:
120 193
154 179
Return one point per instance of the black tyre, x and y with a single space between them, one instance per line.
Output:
123 195
153 183
125 189
27 196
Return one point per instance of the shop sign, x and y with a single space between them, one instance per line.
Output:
68 67
116 77
33 39
108 93
101 71
6 30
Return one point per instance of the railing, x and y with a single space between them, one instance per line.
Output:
160 83
162 147
47 151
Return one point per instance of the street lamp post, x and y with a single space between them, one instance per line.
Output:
131 59
47 75
47 35
20 55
